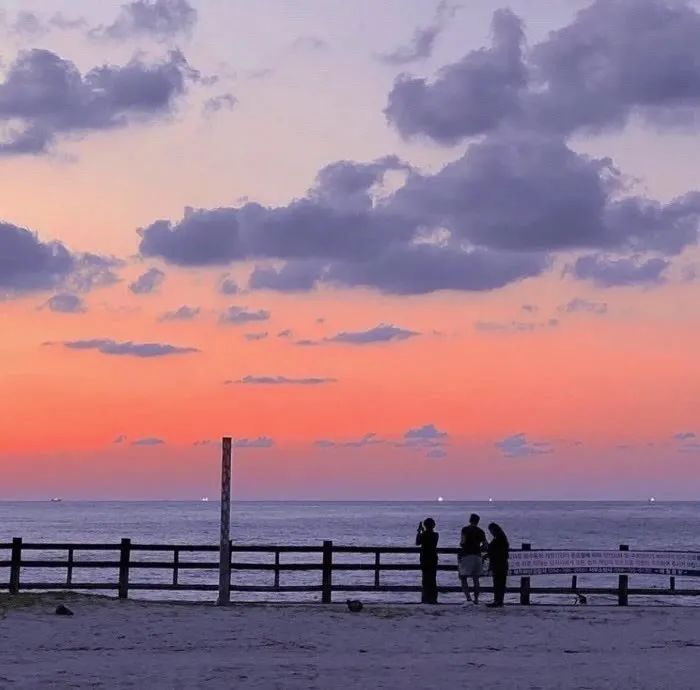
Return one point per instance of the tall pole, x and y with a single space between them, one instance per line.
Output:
224 543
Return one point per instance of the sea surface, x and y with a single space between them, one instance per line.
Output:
558 525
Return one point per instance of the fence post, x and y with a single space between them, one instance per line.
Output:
69 570
124 556
525 582
622 583
176 565
277 569
376 568
224 536
15 564
327 572
673 583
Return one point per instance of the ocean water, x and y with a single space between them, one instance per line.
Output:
563 525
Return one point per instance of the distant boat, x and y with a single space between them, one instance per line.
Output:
56 500
490 500
205 499
440 499
652 500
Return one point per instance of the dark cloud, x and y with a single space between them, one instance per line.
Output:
255 336
224 101
44 96
259 442
514 326
66 303
578 305
307 343
496 215
519 446
184 313
119 439
27 263
241 315
128 349
685 436
160 19
148 282
423 40
148 441
470 97
383 333
436 454
615 60
283 381
286 333
607 271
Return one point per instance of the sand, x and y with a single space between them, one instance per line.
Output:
131 644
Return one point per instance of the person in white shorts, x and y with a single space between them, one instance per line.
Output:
471 547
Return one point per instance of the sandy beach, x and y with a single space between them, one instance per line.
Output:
108 643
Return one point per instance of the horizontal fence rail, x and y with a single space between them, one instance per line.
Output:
126 560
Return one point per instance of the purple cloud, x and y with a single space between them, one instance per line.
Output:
66 303
615 60
470 97
148 282
183 313
283 380
611 272
44 96
383 333
148 441
160 19
578 305
421 45
241 315
514 326
216 104
259 442
369 439
228 286
519 446
106 346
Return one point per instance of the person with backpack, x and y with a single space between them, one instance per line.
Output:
469 560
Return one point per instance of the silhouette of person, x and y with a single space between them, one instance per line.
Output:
471 545
498 559
427 538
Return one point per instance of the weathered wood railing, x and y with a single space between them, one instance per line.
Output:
123 558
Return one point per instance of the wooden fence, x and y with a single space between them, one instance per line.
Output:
123 558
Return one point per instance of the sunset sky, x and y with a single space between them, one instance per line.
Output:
396 249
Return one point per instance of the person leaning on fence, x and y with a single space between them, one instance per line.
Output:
498 562
472 544
427 538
